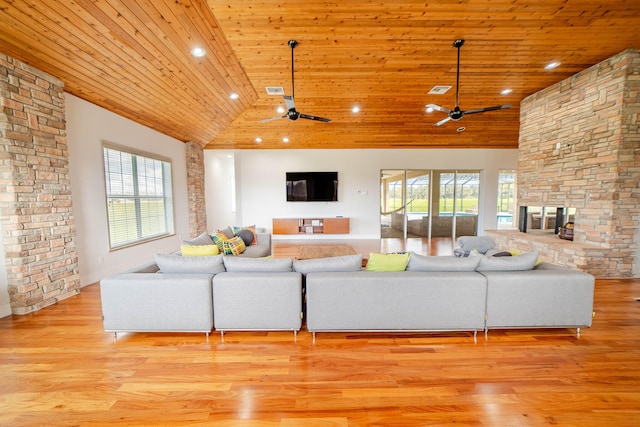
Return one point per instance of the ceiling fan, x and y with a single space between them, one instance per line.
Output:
292 113
457 113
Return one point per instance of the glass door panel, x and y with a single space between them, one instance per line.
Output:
392 203
417 208
442 212
467 195
506 199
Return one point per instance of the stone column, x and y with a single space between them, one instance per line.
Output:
195 189
39 232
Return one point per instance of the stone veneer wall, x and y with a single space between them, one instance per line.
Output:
580 147
195 189
35 193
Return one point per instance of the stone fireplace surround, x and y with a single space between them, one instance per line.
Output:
580 146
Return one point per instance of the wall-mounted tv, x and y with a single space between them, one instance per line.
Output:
312 186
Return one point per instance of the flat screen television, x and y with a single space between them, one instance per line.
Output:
312 186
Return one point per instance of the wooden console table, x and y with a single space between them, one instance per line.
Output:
335 225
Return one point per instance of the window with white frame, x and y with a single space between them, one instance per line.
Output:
139 196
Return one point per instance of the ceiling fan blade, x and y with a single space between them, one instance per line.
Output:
272 119
316 118
443 121
482 110
439 108
288 101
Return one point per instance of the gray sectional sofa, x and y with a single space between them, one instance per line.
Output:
478 293
433 299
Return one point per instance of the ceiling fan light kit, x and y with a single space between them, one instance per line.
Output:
457 113
293 114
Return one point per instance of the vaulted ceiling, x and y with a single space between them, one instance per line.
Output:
133 57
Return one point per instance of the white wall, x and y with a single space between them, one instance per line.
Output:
88 126
260 183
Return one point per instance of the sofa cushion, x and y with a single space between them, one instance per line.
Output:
256 251
203 239
441 263
199 250
234 246
243 264
337 263
387 262
525 261
189 264
467 244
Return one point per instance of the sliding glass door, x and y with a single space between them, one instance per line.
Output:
406 209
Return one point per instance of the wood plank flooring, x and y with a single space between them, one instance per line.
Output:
59 368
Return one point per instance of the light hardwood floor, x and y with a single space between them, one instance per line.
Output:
59 368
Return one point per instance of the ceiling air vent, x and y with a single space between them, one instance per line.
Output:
439 90
275 90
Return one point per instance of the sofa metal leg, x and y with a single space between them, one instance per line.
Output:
578 332
313 335
475 336
486 333
115 337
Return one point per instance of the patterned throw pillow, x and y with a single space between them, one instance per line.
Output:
251 228
218 238
234 246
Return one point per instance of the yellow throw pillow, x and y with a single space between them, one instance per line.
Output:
199 250
387 262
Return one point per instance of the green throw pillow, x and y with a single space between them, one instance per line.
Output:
387 262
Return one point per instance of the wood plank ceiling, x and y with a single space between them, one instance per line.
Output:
133 58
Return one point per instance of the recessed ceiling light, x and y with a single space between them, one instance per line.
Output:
461 129
285 139
234 95
258 140
280 109
355 109
552 65
198 52
429 110
506 91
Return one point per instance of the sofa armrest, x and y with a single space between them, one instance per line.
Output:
264 239
157 302
148 267
543 297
